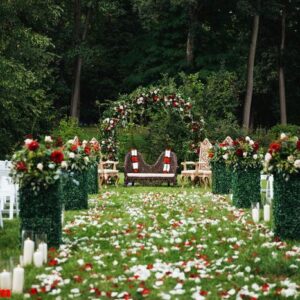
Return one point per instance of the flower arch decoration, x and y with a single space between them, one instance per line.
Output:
121 113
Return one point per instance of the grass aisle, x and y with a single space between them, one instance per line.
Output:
153 243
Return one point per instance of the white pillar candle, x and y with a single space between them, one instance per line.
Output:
28 252
5 280
255 215
18 280
38 259
267 213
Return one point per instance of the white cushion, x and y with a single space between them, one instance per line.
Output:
107 171
156 175
189 172
204 172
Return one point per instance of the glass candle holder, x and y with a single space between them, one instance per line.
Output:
255 212
27 234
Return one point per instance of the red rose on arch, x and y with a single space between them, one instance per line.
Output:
155 98
235 143
34 145
57 156
298 145
239 152
21 166
274 147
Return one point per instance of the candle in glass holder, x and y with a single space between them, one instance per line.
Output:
43 247
5 280
38 259
267 212
255 213
18 280
28 252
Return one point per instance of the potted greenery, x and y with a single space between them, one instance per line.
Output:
283 161
37 170
75 185
92 175
221 175
245 159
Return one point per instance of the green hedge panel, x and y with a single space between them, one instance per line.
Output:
246 187
221 178
75 191
92 179
286 207
42 212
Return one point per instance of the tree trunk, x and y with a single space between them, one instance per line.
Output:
79 39
190 48
251 60
283 116
192 13
75 101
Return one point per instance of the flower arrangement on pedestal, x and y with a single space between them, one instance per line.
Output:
37 170
283 157
245 158
37 164
283 161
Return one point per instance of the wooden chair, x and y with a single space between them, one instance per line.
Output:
203 166
8 192
187 173
108 170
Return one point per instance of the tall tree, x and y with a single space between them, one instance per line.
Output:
81 24
250 72
193 10
282 97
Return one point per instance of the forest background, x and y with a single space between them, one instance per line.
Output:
238 61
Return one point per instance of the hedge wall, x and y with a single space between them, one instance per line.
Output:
42 212
286 207
221 178
245 187
92 179
75 191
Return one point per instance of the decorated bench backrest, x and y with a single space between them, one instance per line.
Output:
228 140
143 167
203 154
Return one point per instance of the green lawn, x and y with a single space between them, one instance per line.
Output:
162 243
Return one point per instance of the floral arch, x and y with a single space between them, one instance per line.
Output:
122 113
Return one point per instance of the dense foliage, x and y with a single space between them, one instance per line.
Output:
113 47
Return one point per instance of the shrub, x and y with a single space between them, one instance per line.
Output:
275 131
67 129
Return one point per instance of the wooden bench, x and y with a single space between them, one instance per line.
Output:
150 174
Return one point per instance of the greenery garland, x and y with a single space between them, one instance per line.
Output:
41 212
92 179
286 206
221 178
246 187
75 190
